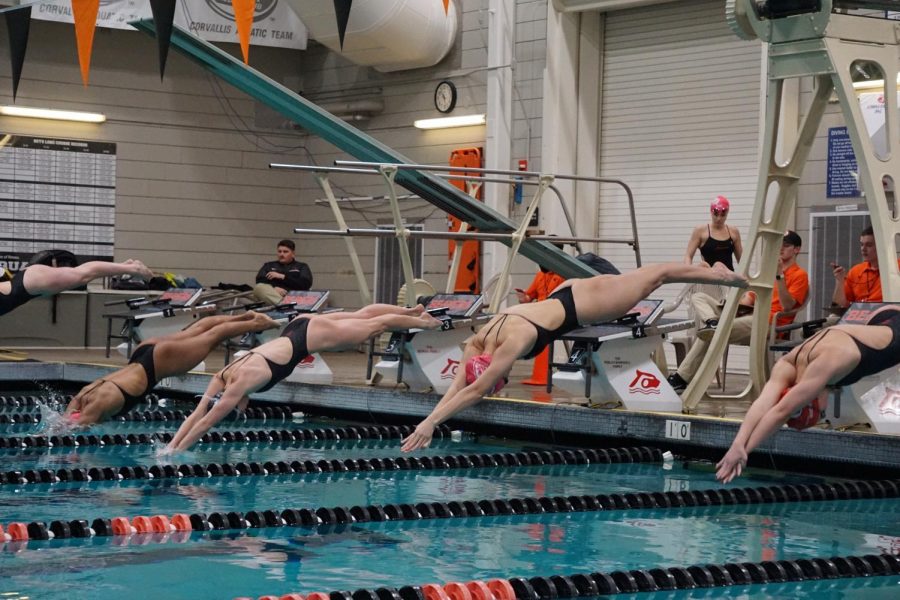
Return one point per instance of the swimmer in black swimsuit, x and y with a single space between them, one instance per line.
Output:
41 280
796 393
524 330
716 241
263 367
155 359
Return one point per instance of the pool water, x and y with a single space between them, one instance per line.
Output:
255 562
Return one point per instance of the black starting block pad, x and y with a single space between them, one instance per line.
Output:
305 301
859 313
172 311
459 306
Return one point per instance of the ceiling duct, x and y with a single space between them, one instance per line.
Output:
389 35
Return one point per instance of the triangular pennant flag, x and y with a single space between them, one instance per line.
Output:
342 12
85 13
18 23
243 18
163 17
446 7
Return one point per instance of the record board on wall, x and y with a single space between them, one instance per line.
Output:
56 194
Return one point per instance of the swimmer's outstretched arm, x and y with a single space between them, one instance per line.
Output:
768 414
215 386
231 397
461 396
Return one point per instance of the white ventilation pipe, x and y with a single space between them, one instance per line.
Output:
389 35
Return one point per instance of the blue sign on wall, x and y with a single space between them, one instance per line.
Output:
841 165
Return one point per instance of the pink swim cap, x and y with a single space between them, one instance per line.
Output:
476 366
720 203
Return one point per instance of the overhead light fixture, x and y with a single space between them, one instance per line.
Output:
447 122
47 113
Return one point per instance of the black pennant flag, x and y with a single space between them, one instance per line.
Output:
163 16
18 22
342 12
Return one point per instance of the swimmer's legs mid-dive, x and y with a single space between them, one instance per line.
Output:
606 297
44 280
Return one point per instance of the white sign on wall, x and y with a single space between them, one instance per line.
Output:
274 23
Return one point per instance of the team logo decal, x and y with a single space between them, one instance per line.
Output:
890 403
644 383
449 370
307 362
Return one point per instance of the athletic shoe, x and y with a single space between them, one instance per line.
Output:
706 332
677 382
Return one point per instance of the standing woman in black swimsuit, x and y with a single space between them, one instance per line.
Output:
796 392
263 367
522 331
41 280
717 241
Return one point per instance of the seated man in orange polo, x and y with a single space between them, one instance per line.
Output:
791 289
862 283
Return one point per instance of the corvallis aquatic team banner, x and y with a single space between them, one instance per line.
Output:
274 23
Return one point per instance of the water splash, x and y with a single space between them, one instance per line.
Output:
53 421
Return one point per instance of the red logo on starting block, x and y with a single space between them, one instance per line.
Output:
449 371
644 383
890 404
307 362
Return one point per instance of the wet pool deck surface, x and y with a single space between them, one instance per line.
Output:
529 410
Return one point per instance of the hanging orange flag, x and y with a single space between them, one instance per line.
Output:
446 7
85 13
243 18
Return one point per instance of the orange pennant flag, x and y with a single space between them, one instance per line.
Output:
85 13
243 18
446 7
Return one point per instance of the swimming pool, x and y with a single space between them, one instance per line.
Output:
318 505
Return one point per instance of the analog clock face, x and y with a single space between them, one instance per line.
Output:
445 96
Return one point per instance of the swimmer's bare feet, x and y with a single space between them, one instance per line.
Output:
414 311
262 321
729 277
139 268
429 322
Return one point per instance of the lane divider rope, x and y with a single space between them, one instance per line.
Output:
628 582
350 432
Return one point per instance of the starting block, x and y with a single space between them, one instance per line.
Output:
874 399
429 359
613 362
169 313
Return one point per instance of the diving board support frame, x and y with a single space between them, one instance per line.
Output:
401 232
825 46
344 136
365 295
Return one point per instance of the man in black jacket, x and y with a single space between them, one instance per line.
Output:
278 277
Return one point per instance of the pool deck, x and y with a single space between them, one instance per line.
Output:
528 410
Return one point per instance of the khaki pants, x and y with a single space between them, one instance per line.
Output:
705 308
265 292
